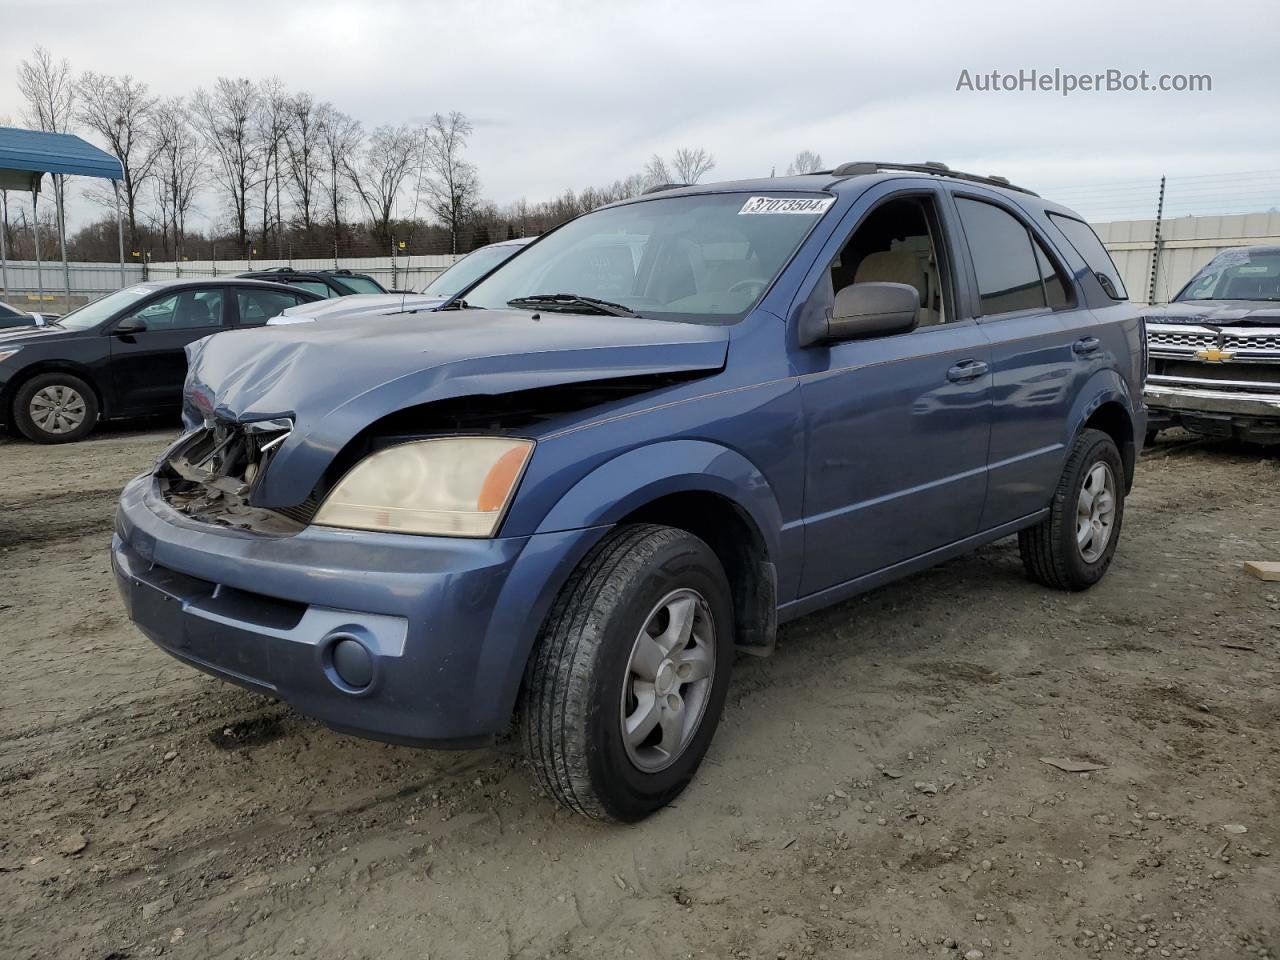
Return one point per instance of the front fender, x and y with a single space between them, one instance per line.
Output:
629 481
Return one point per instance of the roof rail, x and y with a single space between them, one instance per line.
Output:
663 186
860 167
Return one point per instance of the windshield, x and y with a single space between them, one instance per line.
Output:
92 314
1237 275
470 269
359 284
701 258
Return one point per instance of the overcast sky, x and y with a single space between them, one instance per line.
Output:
568 93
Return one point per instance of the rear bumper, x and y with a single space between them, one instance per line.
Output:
447 623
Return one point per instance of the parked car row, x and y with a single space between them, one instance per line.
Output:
570 491
123 356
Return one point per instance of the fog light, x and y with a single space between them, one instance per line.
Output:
352 663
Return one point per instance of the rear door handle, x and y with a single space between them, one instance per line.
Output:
967 370
1085 346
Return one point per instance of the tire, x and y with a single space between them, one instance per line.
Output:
573 713
1052 551
55 408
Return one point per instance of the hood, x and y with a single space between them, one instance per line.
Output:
1218 313
334 379
48 333
359 305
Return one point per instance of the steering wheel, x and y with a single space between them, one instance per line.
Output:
747 284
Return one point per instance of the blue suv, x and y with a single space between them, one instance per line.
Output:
567 498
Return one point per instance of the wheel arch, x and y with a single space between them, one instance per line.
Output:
689 484
706 488
10 391
1105 405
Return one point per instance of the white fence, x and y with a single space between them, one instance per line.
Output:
89 280
1185 245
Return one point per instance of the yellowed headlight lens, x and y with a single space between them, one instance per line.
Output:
451 487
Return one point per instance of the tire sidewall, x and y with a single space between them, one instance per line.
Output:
627 792
22 408
1098 447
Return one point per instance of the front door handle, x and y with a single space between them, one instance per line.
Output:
1085 346
967 370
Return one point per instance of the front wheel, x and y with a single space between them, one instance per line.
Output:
1072 548
626 685
55 407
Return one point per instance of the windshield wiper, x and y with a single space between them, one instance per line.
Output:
554 300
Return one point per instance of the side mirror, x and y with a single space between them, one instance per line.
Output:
130 327
873 310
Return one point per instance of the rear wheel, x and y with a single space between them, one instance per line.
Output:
625 688
1072 548
55 408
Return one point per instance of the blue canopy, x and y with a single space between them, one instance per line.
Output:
39 152
25 156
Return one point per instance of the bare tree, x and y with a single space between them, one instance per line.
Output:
340 139
119 109
691 164
303 154
452 185
379 173
179 168
225 117
656 172
806 161
271 124
50 92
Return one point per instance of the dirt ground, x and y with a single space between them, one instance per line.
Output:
875 789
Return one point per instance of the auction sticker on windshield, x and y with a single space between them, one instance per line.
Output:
810 205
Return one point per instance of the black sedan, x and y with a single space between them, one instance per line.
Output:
123 355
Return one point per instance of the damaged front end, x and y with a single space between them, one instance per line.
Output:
211 475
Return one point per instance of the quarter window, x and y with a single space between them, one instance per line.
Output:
1081 236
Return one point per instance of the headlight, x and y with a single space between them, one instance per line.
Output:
8 352
453 487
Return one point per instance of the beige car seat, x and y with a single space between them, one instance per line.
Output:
895 266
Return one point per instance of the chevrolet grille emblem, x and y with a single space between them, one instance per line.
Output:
1214 355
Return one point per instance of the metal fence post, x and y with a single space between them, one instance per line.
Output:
35 217
4 241
115 185
59 192
1155 247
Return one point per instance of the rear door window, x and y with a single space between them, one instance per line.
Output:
1086 243
259 306
1008 273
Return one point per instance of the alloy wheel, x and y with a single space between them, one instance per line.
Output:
668 682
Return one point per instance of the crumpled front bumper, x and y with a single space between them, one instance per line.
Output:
447 623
